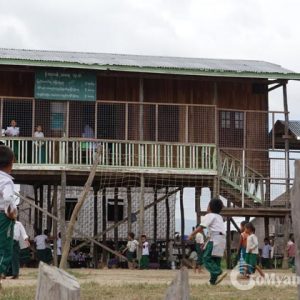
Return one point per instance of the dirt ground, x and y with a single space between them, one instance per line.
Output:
143 284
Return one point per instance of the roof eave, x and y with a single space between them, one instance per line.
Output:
171 71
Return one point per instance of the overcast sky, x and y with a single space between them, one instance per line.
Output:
249 29
257 29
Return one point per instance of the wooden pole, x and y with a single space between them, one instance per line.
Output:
62 207
104 219
179 288
36 211
287 172
198 204
168 224
155 217
266 223
79 204
228 244
126 219
95 250
116 212
182 222
142 210
129 210
49 208
55 233
295 202
41 203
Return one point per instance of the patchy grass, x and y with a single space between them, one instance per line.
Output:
94 290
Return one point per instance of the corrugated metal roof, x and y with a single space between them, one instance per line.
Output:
294 127
143 63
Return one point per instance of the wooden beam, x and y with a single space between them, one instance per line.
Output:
235 225
228 244
182 222
129 210
55 233
142 209
41 203
62 207
116 212
155 217
254 212
95 249
104 223
295 202
49 208
168 224
198 204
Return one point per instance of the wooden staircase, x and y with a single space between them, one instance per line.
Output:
231 182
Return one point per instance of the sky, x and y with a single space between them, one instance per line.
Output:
250 29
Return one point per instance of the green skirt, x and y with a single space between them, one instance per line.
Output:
6 241
251 262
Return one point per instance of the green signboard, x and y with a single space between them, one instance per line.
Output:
55 85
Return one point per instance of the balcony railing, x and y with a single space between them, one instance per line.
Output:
33 153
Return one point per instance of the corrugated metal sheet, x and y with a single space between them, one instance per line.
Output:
215 67
294 127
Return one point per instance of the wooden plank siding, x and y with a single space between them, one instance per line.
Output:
174 122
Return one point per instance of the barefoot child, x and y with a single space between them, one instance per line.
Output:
251 250
242 247
215 245
131 250
8 209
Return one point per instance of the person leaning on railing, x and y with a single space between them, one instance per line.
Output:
39 145
13 131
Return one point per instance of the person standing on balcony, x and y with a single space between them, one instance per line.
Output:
8 209
13 131
39 145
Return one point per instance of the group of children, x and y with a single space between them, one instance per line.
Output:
131 249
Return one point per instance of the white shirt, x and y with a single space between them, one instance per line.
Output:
12 131
58 246
193 255
252 244
132 245
19 232
40 241
7 196
199 238
38 134
213 222
145 248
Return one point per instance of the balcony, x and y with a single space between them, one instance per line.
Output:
116 156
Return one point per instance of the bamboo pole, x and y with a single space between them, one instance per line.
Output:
55 233
79 204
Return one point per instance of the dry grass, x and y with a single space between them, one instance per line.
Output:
139 285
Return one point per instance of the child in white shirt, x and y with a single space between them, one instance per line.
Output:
144 261
251 249
215 246
8 209
131 247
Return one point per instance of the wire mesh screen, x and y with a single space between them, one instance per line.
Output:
17 117
51 116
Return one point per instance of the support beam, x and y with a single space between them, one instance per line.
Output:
295 202
155 217
116 212
62 207
198 204
182 222
266 223
142 209
168 224
104 222
49 208
129 210
228 244
95 249
235 225
36 211
55 233
41 203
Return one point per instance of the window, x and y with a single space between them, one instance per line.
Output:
111 210
225 119
70 205
238 120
